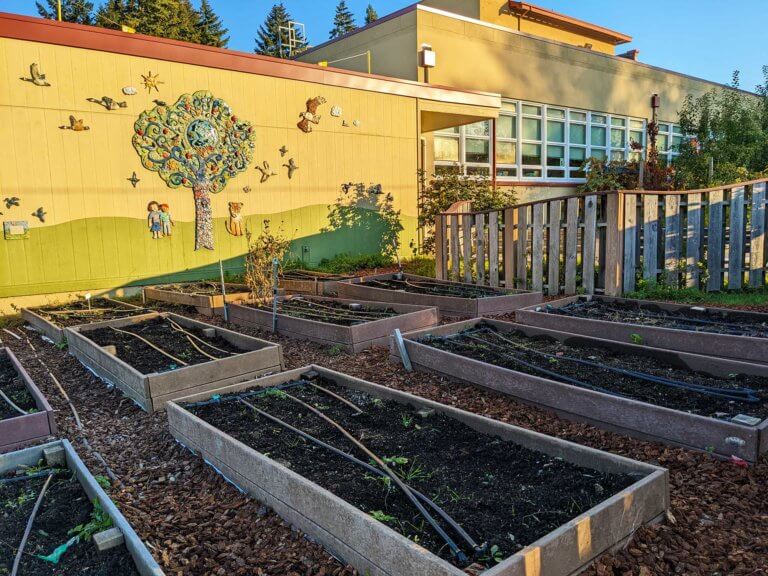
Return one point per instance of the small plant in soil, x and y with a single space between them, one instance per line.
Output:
734 323
60 541
328 311
602 370
446 463
205 288
79 312
15 399
432 287
160 345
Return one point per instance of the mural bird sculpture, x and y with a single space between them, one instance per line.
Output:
35 76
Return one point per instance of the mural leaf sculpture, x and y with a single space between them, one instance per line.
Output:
197 143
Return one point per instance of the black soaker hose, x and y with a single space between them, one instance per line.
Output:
443 514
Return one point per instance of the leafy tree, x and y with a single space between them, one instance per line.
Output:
268 36
197 143
210 30
77 11
343 21
370 15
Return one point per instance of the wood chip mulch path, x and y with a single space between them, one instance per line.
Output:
196 523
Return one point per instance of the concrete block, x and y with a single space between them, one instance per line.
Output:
55 456
209 332
110 349
108 539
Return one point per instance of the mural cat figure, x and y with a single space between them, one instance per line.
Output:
310 116
235 224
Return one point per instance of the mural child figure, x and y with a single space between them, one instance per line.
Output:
166 220
153 219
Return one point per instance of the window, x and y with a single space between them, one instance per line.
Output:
668 142
539 142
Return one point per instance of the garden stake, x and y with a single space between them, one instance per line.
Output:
223 291
403 350
443 514
28 529
275 284
455 550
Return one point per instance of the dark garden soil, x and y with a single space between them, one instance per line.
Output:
12 385
161 333
64 506
201 288
434 288
77 313
328 311
610 372
498 491
195 523
733 323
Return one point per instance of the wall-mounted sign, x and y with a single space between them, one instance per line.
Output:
16 230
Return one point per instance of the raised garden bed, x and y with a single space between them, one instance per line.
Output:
73 504
701 402
311 283
702 330
161 356
52 321
25 415
348 324
206 297
517 500
452 298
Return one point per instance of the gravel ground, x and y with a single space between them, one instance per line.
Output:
196 523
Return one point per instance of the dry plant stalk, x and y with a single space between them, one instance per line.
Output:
262 249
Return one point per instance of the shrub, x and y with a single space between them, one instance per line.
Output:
262 250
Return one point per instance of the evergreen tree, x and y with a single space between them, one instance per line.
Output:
268 35
210 30
370 15
114 13
175 19
343 21
77 11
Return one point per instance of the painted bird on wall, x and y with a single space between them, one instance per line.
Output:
35 76
12 201
75 124
266 172
40 214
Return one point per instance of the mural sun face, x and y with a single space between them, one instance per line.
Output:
202 134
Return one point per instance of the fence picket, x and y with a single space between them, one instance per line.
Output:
441 255
694 239
493 248
553 257
480 257
630 241
757 237
537 250
672 238
571 244
590 236
508 247
650 237
522 248
715 241
466 229
736 240
454 247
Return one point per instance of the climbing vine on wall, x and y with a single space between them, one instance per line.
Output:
196 143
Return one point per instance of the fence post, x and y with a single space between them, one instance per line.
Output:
508 244
441 254
630 241
757 236
614 243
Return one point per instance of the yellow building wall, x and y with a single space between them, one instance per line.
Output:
95 232
392 44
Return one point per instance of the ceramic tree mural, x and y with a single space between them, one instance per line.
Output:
196 143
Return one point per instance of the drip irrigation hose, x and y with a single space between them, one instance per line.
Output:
12 404
14 479
455 550
150 344
28 529
442 513
179 328
739 394
341 399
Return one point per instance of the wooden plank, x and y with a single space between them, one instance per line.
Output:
614 244
757 237
672 239
571 244
553 257
630 241
480 258
650 237
589 242
694 238
454 247
466 229
508 247
537 249
715 241
493 248
441 255
736 240
521 248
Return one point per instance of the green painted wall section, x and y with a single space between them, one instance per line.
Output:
104 253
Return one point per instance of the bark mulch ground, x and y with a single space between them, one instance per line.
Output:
196 523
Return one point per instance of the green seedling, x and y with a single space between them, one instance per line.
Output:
378 402
399 460
274 393
103 481
335 350
62 345
382 516
636 338
414 473
406 419
20 500
99 522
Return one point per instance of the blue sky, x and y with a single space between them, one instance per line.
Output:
705 38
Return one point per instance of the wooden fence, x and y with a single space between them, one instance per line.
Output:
712 238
